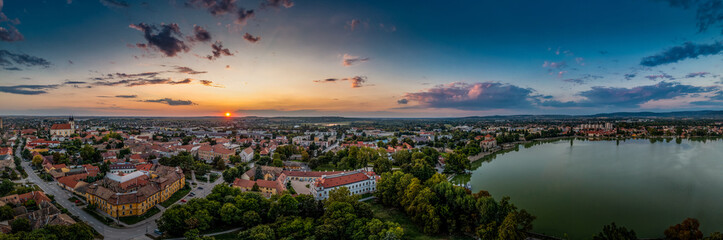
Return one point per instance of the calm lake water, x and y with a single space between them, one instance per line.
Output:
577 189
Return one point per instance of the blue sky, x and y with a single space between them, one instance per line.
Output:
359 58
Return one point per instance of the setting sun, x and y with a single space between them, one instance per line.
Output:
228 114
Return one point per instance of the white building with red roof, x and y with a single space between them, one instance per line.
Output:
358 182
63 129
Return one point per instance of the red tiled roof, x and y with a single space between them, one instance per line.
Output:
341 179
144 167
72 180
60 126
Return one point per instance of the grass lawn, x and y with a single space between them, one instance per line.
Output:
175 197
134 219
411 231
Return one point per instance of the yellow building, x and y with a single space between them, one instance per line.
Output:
135 197
266 187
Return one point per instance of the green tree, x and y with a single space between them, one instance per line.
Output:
230 213
613 232
6 187
37 160
6 213
230 174
261 232
20 225
219 163
456 163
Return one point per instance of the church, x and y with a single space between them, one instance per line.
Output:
63 129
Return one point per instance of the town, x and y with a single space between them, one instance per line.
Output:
119 175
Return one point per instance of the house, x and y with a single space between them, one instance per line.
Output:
247 154
269 173
266 187
488 143
209 152
358 182
72 182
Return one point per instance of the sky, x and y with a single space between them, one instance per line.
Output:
359 58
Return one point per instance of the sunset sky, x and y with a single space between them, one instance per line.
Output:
359 58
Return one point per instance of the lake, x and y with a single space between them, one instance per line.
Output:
577 187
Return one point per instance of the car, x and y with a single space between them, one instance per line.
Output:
200 187
158 232
77 201
183 200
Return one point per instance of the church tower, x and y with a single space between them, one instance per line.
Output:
71 121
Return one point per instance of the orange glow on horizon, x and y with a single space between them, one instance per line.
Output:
228 114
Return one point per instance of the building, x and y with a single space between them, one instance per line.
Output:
488 143
269 173
63 129
209 152
358 182
247 154
266 187
122 168
135 196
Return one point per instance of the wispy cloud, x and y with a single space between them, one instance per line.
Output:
115 3
356 81
277 3
143 82
126 96
679 53
696 74
10 60
348 60
169 101
188 70
28 89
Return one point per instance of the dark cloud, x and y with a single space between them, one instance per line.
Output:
402 101
9 33
9 60
251 38
679 53
115 3
356 81
209 83
188 70
200 34
476 96
127 75
348 60
13 69
696 74
243 16
660 76
215 7
223 7
126 96
143 82
277 3
74 82
574 80
629 76
165 39
28 89
630 97
170 101
218 51
708 13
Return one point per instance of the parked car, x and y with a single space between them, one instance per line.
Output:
158 232
183 200
200 187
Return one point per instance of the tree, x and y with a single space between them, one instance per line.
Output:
6 187
261 232
26 154
456 163
278 163
687 230
219 163
285 206
258 174
234 159
613 232
38 160
255 188
382 165
230 174
6 213
20 225
230 213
